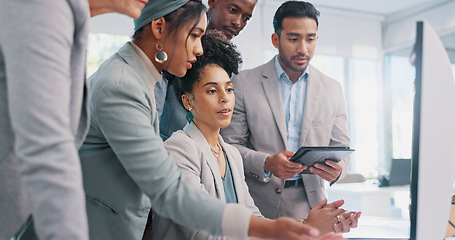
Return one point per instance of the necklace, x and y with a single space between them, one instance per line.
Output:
217 152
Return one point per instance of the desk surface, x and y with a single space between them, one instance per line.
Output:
366 188
380 228
377 228
371 199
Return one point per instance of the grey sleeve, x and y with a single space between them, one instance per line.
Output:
37 52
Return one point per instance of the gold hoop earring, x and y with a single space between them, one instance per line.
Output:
160 56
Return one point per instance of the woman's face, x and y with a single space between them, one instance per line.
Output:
212 100
182 48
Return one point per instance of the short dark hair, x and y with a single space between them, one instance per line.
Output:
218 50
294 9
191 10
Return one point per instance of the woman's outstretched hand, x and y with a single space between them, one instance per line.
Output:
329 217
348 220
323 216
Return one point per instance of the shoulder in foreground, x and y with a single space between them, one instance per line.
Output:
114 71
180 144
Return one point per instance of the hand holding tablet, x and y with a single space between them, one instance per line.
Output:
308 156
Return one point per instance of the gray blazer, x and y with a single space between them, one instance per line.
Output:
43 116
194 158
127 170
258 128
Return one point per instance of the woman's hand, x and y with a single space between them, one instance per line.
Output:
323 216
348 220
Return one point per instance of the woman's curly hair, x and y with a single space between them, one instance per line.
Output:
218 50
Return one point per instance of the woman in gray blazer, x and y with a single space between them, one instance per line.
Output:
126 169
205 160
201 154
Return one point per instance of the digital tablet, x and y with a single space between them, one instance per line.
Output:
308 156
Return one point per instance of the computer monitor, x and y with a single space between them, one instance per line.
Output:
433 147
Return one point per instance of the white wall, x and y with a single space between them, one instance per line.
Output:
341 33
399 29
112 23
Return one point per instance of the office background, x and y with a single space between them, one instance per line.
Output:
364 44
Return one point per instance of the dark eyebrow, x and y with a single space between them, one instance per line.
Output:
298 34
210 83
234 5
237 6
215 83
293 34
200 29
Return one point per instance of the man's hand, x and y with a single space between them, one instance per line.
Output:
280 166
328 172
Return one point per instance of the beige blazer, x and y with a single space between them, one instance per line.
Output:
258 128
194 158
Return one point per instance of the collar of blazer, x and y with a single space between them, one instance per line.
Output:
196 135
130 57
272 91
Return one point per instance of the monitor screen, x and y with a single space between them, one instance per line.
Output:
433 145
